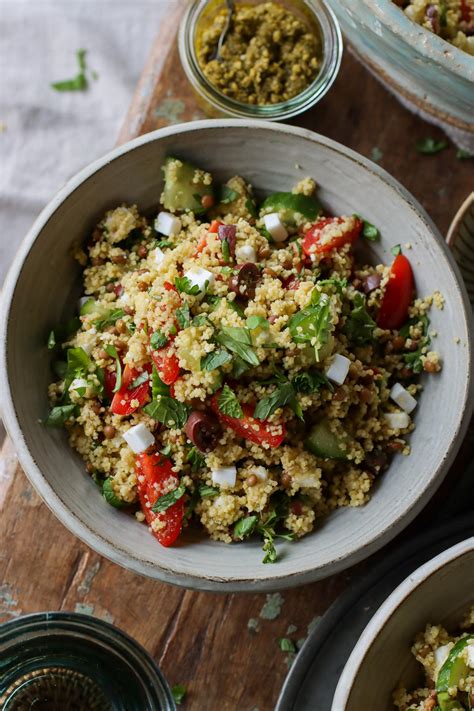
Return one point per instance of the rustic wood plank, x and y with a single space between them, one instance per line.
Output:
223 647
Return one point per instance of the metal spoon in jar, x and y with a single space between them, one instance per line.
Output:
222 38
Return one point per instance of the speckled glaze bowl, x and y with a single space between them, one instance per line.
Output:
440 591
430 76
42 289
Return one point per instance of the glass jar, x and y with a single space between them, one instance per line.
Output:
53 661
318 16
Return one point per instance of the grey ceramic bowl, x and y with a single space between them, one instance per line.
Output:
430 76
43 286
441 591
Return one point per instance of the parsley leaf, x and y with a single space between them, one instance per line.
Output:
266 528
195 459
109 319
283 394
227 195
110 496
287 645
184 286
207 491
396 250
163 243
312 324
257 322
413 358
216 359
168 411
310 381
228 403
245 526
179 692
359 326
79 82
430 146
183 316
112 352
164 502
238 341
59 415
158 340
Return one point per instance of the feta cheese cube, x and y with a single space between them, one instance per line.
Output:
246 253
275 227
138 438
338 369
159 256
397 420
167 224
225 476
403 398
200 277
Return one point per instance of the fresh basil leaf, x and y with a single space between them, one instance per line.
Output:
109 319
360 325
251 207
164 502
228 403
169 412
206 491
110 496
287 645
112 352
179 692
184 286
78 362
59 415
310 381
51 341
139 380
158 387
430 146
216 359
183 316
158 340
238 341
396 250
257 322
195 459
312 324
227 195
245 526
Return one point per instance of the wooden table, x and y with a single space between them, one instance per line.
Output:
224 648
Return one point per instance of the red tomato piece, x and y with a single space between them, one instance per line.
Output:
258 431
215 226
156 478
318 239
170 287
167 364
398 294
121 403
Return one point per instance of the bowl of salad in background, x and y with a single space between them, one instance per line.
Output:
426 622
45 283
428 74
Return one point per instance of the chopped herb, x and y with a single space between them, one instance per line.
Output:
254 322
251 207
284 394
158 340
59 415
376 154
287 645
338 284
164 502
235 307
312 324
158 387
195 459
183 316
216 359
396 250
51 341
239 367
310 381
369 231
463 155
112 352
168 411
166 451
413 359
109 319
238 341
200 320
79 82
266 528
163 243
245 526
139 380
184 286
228 403
206 491
173 330
359 326
430 146
225 250
110 496
179 692
227 195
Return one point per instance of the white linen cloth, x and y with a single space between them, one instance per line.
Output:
47 136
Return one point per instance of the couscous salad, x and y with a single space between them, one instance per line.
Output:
453 20
234 364
448 665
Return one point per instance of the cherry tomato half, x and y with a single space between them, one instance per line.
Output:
121 403
318 239
398 294
167 364
156 477
247 427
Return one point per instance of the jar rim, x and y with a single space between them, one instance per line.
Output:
332 47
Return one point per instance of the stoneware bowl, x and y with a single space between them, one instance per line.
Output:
43 286
461 240
441 591
430 76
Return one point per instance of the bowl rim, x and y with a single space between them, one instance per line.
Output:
389 607
274 580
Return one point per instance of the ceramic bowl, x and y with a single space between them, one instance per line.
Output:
42 289
461 240
441 591
430 76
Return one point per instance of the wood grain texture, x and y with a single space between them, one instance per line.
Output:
224 648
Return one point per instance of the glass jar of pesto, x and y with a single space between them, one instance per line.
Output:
279 57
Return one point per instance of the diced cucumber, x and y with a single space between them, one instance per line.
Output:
180 192
291 207
454 668
322 442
